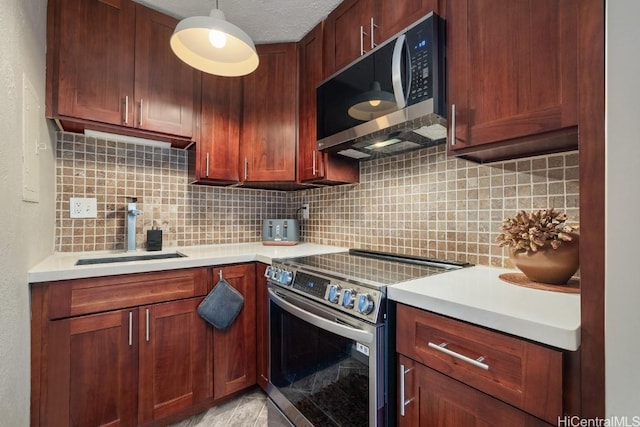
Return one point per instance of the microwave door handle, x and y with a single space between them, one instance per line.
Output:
396 72
322 323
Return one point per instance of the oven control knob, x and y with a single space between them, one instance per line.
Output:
365 304
334 293
286 277
268 272
348 298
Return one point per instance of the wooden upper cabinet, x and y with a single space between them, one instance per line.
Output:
164 85
357 26
268 142
90 59
110 68
313 165
217 155
393 17
347 34
512 77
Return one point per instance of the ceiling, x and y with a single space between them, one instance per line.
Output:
265 21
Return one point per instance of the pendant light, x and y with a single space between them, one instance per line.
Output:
373 103
215 46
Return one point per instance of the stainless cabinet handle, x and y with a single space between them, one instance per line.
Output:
475 362
130 329
373 26
126 110
207 167
140 120
453 125
403 402
147 328
362 34
246 168
315 169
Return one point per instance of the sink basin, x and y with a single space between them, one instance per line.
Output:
126 258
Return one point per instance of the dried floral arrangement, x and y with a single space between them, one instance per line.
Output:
531 231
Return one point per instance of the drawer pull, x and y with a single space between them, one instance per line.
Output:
475 362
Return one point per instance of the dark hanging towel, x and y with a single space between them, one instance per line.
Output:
221 307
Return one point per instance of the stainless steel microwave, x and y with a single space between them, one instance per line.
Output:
389 101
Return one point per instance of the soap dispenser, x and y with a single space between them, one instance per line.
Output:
154 238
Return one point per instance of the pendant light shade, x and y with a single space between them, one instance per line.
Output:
373 103
213 45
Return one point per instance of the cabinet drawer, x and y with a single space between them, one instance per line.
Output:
526 375
84 296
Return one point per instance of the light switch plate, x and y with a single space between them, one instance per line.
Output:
83 207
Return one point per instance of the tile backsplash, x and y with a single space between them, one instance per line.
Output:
188 214
422 203
426 203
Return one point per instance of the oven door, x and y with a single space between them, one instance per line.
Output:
326 368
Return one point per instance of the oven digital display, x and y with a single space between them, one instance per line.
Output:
310 285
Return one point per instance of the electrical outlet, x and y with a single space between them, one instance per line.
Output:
83 207
305 211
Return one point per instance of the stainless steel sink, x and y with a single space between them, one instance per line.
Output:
127 258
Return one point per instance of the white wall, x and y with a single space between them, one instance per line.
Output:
26 229
622 285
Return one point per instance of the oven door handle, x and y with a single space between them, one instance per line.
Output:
322 323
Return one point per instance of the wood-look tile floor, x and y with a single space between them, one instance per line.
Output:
251 409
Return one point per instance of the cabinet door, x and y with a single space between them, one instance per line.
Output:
175 358
309 159
164 85
234 349
347 34
90 67
393 17
313 165
218 148
92 370
433 399
262 322
269 127
514 73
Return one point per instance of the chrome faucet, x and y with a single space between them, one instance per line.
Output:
132 213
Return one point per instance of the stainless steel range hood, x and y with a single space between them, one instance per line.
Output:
411 128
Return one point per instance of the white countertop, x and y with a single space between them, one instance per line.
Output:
477 295
474 294
61 265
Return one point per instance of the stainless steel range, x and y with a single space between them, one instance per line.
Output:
328 333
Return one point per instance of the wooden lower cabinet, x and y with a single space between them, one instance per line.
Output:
91 371
132 350
234 349
434 399
262 320
175 359
127 367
